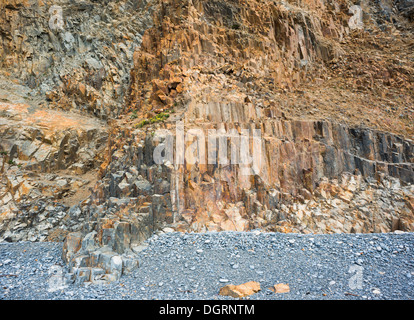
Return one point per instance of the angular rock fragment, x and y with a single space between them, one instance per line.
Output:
240 291
71 246
280 288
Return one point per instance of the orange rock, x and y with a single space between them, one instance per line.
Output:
240 291
280 288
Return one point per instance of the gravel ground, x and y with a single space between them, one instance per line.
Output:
196 266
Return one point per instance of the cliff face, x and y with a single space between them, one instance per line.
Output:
64 66
277 68
134 116
300 56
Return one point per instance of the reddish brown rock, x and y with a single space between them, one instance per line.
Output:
241 290
280 288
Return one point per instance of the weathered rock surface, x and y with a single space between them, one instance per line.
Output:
99 258
406 7
75 54
45 156
340 173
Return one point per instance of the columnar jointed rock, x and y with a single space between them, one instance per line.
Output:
299 158
81 63
100 256
221 66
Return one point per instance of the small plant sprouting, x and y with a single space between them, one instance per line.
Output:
142 123
134 114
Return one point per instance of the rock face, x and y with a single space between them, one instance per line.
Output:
406 7
121 118
280 288
77 53
45 157
302 161
48 141
202 71
89 261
